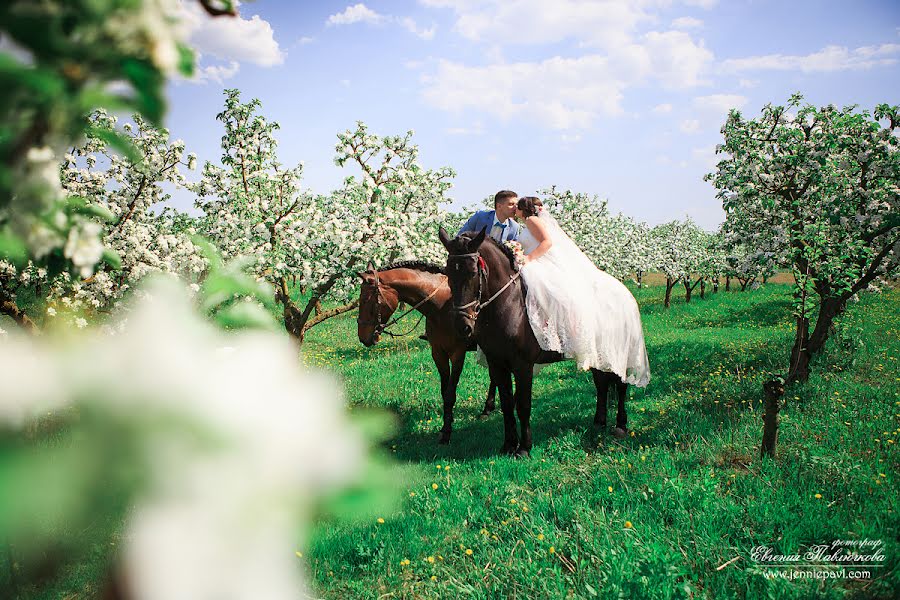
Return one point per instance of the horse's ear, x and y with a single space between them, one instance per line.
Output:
476 241
362 275
370 266
445 239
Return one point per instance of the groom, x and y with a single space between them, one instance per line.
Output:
499 222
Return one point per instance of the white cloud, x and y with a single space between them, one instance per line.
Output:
355 14
232 38
748 83
689 126
560 93
687 23
410 25
306 40
828 59
707 4
476 129
217 73
605 23
662 109
720 103
360 13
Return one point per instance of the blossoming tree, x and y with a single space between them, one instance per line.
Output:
680 247
826 181
254 207
822 184
121 233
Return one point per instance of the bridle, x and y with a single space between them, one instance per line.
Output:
482 269
381 328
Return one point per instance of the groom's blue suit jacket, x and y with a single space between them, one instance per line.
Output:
484 219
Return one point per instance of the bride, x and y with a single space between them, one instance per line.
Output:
575 308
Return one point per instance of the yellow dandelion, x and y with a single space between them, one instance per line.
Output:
404 562
468 552
628 525
439 467
434 577
484 532
524 509
513 501
430 559
540 536
412 494
551 550
818 496
380 520
447 468
610 489
299 554
434 486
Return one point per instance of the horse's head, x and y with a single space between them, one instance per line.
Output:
466 275
377 302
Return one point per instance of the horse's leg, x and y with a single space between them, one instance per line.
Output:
457 362
489 404
524 380
441 361
502 377
601 383
621 417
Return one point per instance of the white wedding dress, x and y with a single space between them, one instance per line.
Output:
580 311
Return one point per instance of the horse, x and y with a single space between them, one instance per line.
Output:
477 270
424 287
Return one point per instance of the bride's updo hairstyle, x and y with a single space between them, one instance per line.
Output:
530 205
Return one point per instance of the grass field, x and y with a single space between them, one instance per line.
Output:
672 511
656 515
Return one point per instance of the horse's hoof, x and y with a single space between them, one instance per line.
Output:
522 453
444 438
619 433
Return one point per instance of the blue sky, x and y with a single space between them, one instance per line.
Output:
623 99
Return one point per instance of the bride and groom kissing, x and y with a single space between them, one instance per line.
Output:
574 308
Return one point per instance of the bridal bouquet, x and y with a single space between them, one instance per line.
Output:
517 251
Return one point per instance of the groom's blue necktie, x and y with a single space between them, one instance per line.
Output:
502 227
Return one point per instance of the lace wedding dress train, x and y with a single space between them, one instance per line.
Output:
582 312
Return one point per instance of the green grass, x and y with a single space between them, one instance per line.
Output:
651 516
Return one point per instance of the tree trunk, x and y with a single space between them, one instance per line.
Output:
669 285
773 390
830 308
640 279
716 285
728 283
11 309
688 288
800 355
296 321
702 289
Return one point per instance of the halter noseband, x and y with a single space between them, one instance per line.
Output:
382 327
482 275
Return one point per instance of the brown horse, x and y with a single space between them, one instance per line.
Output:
424 287
489 306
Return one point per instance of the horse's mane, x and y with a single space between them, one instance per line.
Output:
416 265
501 247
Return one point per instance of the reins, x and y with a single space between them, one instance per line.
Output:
382 327
482 274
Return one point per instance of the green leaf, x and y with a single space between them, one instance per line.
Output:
13 249
186 60
112 258
245 315
118 141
